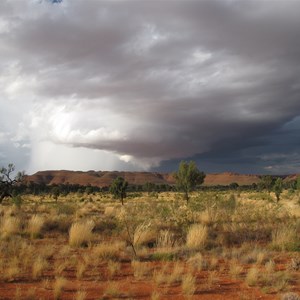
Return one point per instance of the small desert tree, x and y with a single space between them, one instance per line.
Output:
188 177
7 183
278 188
267 182
118 188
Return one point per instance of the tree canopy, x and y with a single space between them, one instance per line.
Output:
188 177
118 188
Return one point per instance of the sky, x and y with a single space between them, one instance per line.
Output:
141 85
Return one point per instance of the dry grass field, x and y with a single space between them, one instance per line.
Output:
222 245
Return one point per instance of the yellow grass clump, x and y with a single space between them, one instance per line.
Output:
81 233
10 226
58 287
252 276
35 225
106 251
140 269
38 267
80 295
196 237
284 238
188 285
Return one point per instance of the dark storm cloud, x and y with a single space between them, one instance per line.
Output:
160 80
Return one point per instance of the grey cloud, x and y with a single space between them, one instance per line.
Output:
173 79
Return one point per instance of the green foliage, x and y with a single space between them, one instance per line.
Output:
163 256
233 185
149 187
55 192
188 177
278 188
118 188
267 182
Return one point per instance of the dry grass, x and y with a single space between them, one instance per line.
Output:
35 225
284 238
107 251
196 237
81 233
143 235
270 267
113 268
235 269
252 276
140 269
197 262
161 276
188 285
10 226
165 240
81 267
113 289
18 294
175 268
58 286
155 295
12 270
60 267
176 274
80 295
39 265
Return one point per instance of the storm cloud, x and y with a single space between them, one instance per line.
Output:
143 84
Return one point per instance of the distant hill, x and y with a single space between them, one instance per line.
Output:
104 178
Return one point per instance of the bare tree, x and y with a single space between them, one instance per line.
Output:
7 182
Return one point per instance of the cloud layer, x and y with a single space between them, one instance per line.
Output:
142 84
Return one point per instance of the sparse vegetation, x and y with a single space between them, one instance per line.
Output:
180 249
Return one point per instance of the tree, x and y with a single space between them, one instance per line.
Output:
55 192
7 183
188 177
267 182
233 185
278 188
118 188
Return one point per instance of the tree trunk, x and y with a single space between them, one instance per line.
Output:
122 200
186 196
